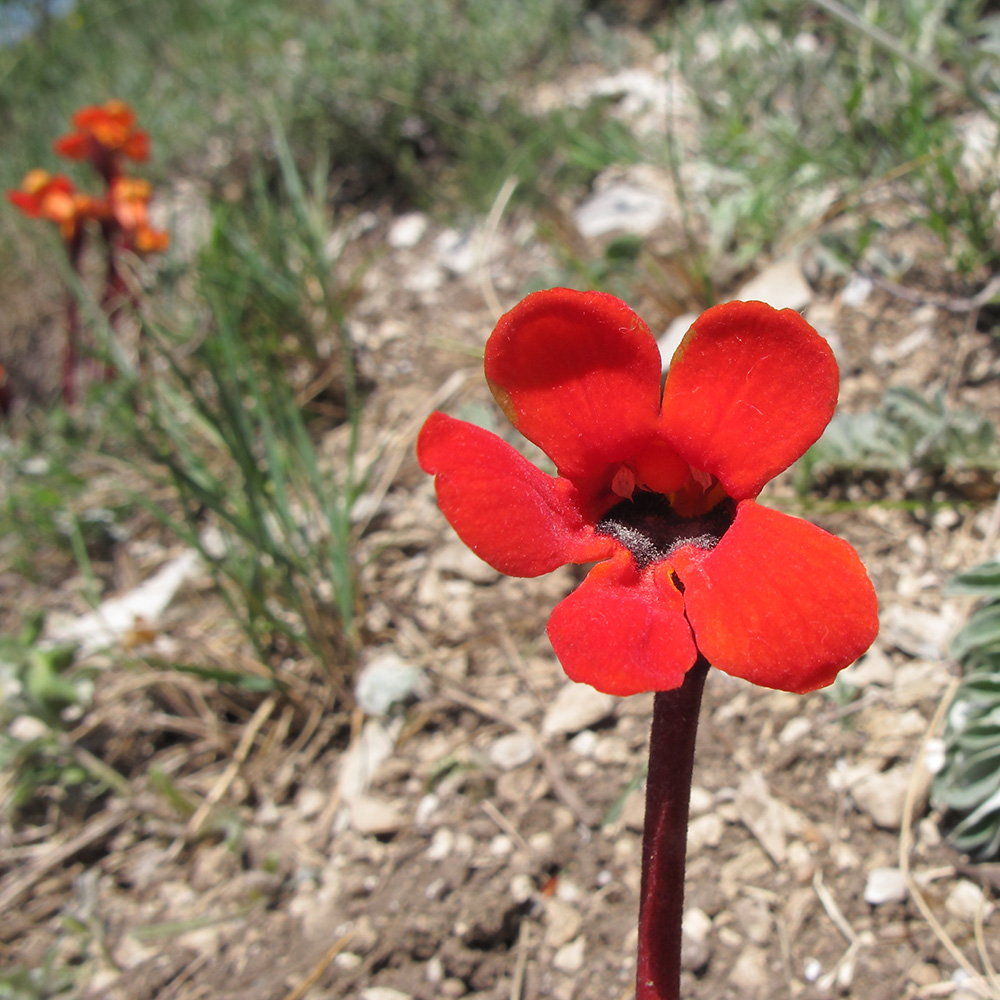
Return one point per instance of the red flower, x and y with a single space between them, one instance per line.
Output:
661 493
103 133
130 208
53 197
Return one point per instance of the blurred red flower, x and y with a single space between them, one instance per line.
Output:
54 197
130 208
103 134
660 491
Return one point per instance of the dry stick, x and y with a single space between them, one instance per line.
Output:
517 983
227 777
492 223
93 831
505 824
335 949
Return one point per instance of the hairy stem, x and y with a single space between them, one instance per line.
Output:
664 837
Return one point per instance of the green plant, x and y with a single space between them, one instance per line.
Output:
906 431
265 504
968 784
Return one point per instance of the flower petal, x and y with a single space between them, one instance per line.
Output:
511 514
578 373
778 601
748 391
622 631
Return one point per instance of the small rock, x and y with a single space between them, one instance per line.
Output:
794 730
856 291
702 800
755 918
781 286
576 707
964 901
359 764
384 993
612 749
27 728
883 795
370 815
569 958
407 230
920 633
696 946
769 820
562 923
457 252
584 743
885 885
511 750
385 681
673 336
704 831
873 668
750 973
464 563
621 208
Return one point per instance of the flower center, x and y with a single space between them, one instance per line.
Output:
652 530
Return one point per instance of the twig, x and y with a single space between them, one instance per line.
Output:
324 963
227 777
517 983
832 910
505 824
492 222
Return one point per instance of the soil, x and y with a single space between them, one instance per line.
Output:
488 856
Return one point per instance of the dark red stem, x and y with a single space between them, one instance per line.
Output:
664 836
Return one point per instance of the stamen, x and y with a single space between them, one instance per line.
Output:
651 529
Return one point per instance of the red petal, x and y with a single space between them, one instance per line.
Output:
512 515
578 373
624 632
748 391
778 601
75 146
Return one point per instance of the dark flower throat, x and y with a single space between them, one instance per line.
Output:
651 529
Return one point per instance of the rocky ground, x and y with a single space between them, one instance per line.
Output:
479 836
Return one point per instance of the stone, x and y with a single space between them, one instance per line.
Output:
407 230
755 919
750 974
964 901
375 816
704 831
883 795
672 337
874 668
781 285
460 561
363 758
511 750
384 993
885 885
576 707
621 208
696 945
768 819
569 958
562 922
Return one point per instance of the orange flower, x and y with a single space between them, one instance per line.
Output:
130 207
53 197
103 132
